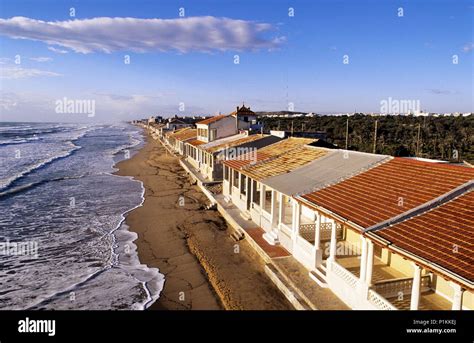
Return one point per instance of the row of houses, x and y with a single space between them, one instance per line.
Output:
380 232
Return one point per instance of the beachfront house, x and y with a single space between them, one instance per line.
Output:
242 184
176 140
241 121
215 152
392 237
380 232
176 123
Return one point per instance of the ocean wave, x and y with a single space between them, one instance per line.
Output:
19 141
8 182
32 185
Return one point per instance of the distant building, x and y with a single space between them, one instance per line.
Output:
245 118
177 123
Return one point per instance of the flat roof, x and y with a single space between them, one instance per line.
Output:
336 166
390 189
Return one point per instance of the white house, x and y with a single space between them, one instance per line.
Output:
342 217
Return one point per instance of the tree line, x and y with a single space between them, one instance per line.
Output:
445 138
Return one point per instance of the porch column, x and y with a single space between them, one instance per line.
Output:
296 218
274 208
262 196
457 297
281 210
251 191
415 291
363 260
317 240
370 262
317 231
333 246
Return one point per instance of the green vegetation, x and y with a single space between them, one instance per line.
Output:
445 138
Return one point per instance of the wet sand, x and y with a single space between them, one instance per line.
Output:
204 268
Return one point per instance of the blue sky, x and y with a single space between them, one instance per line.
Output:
283 59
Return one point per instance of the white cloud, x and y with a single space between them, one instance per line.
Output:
468 47
106 34
16 72
41 59
37 106
58 51
8 101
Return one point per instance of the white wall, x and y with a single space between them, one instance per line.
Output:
225 127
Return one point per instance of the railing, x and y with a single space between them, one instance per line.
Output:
395 287
379 301
345 275
307 231
326 229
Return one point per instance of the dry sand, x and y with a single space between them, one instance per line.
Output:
191 245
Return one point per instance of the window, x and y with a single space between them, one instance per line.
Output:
226 173
235 182
213 135
268 200
256 192
243 185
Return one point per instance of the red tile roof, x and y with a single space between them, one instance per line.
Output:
196 142
389 189
247 159
443 235
212 119
185 135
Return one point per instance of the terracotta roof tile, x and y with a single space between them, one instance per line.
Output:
196 142
212 119
390 189
443 235
186 134
245 160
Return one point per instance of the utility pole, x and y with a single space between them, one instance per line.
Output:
375 135
418 141
347 132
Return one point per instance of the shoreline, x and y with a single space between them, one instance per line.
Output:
204 268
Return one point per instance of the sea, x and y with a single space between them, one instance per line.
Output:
64 243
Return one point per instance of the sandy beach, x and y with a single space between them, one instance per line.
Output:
204 268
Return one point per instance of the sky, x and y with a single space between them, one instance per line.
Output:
133 59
